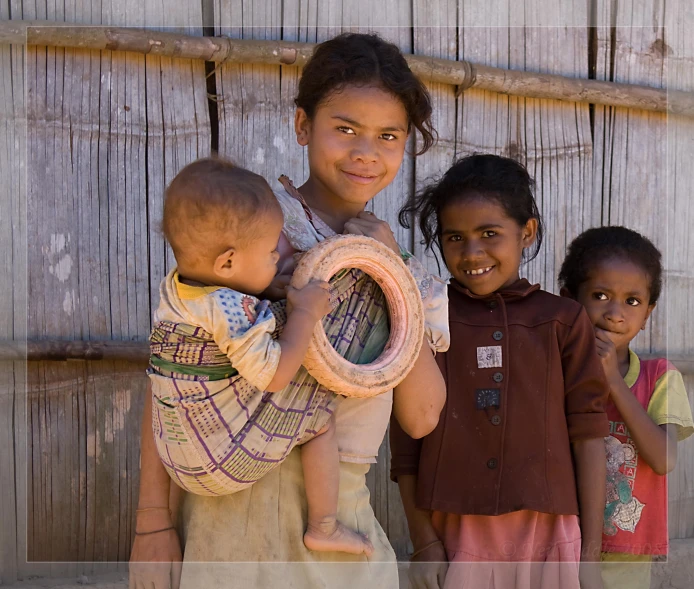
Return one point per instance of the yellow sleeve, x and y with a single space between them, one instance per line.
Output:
669 404
242 327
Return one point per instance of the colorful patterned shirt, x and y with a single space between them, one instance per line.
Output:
637 500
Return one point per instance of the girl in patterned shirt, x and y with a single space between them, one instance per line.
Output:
616 274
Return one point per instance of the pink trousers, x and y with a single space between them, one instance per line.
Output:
518 550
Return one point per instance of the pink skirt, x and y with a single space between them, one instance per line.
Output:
518 550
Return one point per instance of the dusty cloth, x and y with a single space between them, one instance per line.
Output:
519 550
266 524
524 381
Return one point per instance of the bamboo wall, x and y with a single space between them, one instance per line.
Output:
90 139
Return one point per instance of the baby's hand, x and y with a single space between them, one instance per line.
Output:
366 223
314 298
608 354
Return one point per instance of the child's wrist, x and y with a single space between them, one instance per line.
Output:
615 382
591 552
306 314
150 519
421 534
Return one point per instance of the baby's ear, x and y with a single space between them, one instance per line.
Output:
224 264
564 292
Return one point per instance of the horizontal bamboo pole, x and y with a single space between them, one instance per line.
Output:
138 351
459 73
60 350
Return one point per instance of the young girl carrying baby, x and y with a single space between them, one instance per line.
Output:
357 104
508 490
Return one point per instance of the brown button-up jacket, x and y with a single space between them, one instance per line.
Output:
524 381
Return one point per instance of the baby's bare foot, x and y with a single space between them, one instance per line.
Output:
336 537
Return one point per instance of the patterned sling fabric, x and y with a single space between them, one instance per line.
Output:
187 352
218 434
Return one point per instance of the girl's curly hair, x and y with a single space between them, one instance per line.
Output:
360 59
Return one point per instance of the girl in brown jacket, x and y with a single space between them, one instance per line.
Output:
493 495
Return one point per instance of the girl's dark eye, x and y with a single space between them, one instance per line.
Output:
455 238
633 302
599 296
488 233
346 130
389 136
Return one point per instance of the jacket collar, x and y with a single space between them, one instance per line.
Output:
518 290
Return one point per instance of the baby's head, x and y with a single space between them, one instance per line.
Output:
616 274
223 224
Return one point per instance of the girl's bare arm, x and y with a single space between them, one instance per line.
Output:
419 398
591 474
656 444
418 520
155 560
429 562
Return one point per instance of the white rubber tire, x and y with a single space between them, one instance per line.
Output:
405 310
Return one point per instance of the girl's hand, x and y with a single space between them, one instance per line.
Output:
589 575
608 355
428 568
277 289
155 561
285 268
313 299
366 223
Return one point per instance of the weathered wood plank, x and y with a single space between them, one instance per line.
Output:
93 211
255 116
647 178
8 492
551 138
436 34
13 306
678 49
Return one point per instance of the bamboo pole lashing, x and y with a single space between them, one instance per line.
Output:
274 52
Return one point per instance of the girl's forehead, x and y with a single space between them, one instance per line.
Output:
470 209
364 104
619 271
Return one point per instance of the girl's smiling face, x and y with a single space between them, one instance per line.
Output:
356 142
482 245
616 296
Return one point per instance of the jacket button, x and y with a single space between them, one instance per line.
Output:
492 304
498 377
496 420
497 335
491 463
